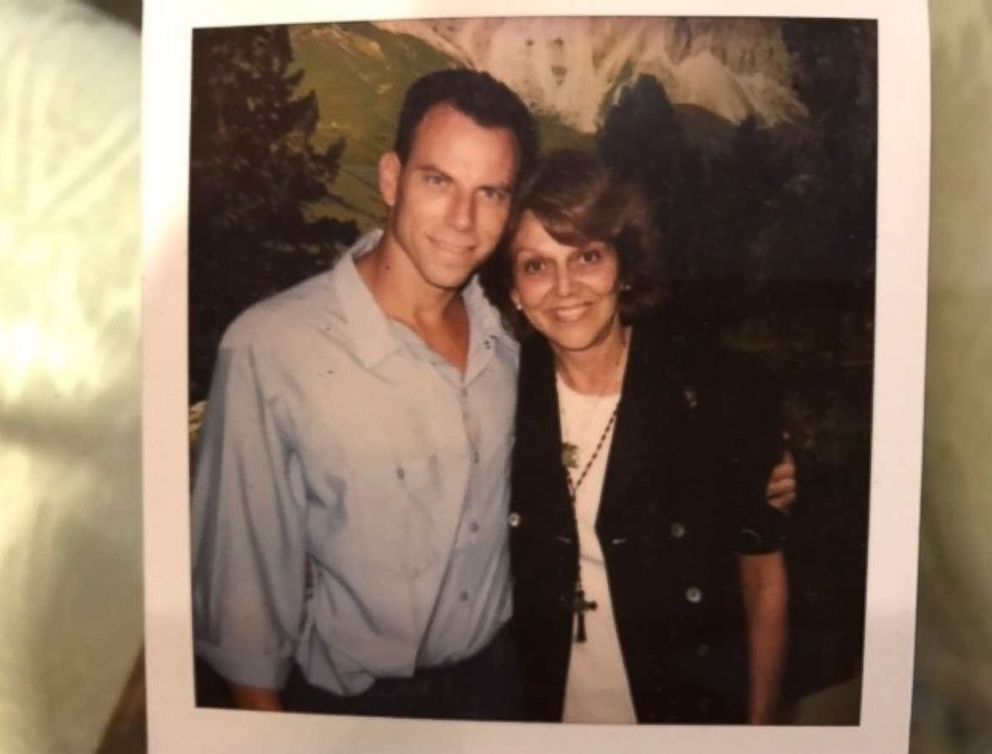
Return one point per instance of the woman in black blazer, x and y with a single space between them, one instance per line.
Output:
649 583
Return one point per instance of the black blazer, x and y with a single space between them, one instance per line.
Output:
695 441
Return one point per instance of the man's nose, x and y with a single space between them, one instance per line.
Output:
461 212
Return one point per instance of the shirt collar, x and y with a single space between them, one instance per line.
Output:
372 338
485 319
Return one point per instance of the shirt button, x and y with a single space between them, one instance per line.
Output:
694 594
473 527
677 530
399 472
513 520
690 396
475 456
463 596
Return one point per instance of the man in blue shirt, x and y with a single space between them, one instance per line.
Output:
349 509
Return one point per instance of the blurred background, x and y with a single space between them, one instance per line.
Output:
69 383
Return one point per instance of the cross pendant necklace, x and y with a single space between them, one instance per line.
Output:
579 606
570 462
579 602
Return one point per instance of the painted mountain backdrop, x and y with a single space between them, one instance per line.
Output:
573 68
716 73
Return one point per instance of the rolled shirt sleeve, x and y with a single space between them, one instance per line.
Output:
248 525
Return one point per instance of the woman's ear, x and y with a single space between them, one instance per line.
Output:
389 177
515 298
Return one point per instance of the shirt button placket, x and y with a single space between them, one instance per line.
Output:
466 422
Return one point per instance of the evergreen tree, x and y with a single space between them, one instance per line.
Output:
642 140
835 72
255 175
746 190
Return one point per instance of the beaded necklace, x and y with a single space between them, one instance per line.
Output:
569 459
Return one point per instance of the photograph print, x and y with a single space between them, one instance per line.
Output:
530 368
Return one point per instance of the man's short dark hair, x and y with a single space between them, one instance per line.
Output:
488 102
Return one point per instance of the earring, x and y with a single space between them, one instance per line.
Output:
625 287
518 306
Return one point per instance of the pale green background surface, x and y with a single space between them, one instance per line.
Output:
953 703
70 504
70 622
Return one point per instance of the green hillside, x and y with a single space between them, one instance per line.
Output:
360 74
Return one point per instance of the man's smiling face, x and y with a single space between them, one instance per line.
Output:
449 201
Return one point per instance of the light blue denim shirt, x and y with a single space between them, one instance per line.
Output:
350 502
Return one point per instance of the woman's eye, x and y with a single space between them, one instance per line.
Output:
590 256
532 266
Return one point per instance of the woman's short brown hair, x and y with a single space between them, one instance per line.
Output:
578 200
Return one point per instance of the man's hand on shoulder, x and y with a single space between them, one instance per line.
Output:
782 486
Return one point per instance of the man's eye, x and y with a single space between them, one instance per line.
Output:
435 179
494 195
590 256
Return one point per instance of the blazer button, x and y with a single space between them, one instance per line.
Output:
694 595
677 530
702 649
513 519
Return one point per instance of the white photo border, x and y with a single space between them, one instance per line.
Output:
177 725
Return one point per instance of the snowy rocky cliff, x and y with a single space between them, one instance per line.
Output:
574 68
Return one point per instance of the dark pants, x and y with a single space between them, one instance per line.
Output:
486 686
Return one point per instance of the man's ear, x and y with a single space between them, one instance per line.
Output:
389 177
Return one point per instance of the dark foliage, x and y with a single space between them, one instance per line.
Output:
769 245
254 174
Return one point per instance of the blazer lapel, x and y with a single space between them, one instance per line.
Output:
538 426
647 450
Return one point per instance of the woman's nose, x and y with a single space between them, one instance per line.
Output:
563 281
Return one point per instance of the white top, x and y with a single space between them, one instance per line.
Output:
597 690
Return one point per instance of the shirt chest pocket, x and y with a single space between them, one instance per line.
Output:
419 478
383 521
430 510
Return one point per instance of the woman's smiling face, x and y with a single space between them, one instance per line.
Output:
570 294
